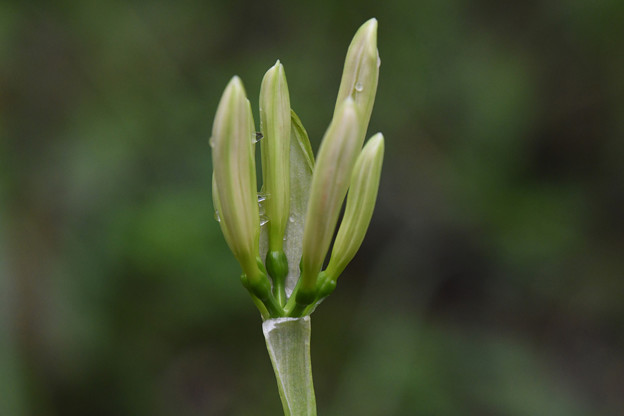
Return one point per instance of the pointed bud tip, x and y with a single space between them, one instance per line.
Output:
374 148
369 28
235 81
377 140
280 68
371 24
235 84
366 35
276 69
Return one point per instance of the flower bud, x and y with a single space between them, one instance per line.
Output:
361 73
275 148
234 190
360 206
330 182
218 210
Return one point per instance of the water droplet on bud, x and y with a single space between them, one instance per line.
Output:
359 87
256 137
216 216
261 201
211 142
263 220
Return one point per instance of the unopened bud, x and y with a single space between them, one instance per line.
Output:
330 182
234 192
360 206
275 148
361 73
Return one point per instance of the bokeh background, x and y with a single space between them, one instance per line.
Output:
492 278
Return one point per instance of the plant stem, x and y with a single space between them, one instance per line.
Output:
288 344
279 291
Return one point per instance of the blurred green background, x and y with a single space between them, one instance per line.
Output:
491 281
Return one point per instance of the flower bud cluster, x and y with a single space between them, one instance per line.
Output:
291 180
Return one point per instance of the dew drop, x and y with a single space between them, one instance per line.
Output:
291 218
256 137
261 201
263 220
378 61
211 142
217 216
359 87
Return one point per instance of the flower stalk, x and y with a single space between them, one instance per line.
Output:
288 344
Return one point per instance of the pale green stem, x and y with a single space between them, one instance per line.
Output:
288 343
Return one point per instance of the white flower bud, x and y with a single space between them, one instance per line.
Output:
330 181
361 73
360 206
275 148
235 188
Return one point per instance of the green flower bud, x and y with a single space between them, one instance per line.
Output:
218 210
234 189
361 73
330 181
275 147
277 265
360 206
302 201
325 285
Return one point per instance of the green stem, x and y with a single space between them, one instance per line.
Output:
288 344
279 292
292 301
299 301
263 310
277 268
273 306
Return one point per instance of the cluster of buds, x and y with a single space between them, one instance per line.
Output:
282 234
